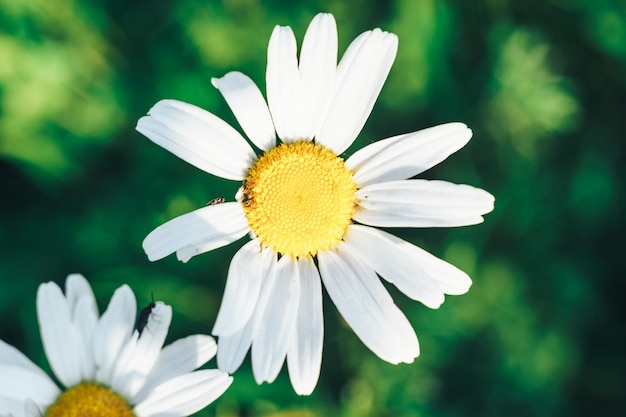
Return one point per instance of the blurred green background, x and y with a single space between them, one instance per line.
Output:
541 83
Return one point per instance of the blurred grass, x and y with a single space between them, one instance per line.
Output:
542 85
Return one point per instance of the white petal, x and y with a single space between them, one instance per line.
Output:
178 358
61 340
248 105
304 357
113 332
243 287
360 76
318 65
76 287
85 319
275 329
404 156
283 84
198 137
84 315
11 407
32 410
385 256
406 265
231 350
138 357
20 383
9 355
421 203
197 232
367 307
185 395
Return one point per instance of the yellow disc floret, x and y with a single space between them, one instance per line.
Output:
89 399
299 199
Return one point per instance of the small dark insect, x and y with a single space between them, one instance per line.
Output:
144 315
216 200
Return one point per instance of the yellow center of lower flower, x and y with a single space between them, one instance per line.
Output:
299 199
89 400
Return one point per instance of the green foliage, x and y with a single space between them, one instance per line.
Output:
542 84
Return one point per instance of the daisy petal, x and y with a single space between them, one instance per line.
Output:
360 76
61 340
85 319
137 360
371 247
178 358
113 331
421 203
31 409
248 105
275 329
283 84
184 395
304 357
367 307
20 383
76 287
318 65
12 356
404 156
405 265
231 350
243 287
11 407
198 137
200 231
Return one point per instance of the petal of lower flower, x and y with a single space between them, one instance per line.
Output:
113 331
61 339
184 395
85 320
76 287
12 356
139 356
18 383
178 358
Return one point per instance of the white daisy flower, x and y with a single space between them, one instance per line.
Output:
312 216
106 366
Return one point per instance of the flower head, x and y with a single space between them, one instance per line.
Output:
310 213
106 367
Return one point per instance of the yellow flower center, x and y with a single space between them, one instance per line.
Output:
89 399
299 199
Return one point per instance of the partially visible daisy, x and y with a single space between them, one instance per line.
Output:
311 215
106 366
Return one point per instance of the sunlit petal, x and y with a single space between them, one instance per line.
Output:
247 103
405 156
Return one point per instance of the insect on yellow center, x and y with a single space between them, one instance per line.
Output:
89 399
299 199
